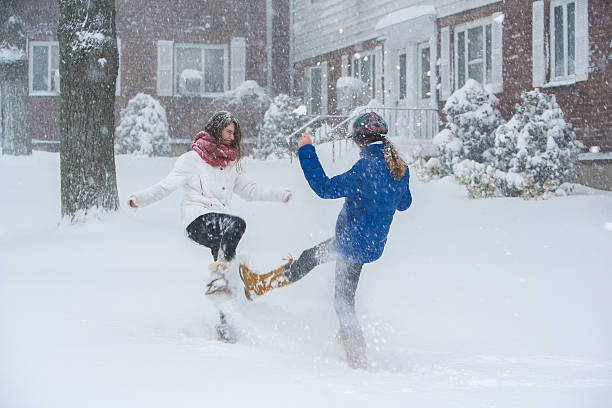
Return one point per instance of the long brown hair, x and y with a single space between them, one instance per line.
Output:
219 121
393 160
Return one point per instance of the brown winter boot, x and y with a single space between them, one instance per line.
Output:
355 349
255 284
217 284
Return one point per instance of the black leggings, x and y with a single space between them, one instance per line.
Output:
347 278
219 232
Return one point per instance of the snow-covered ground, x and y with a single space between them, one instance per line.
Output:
475 303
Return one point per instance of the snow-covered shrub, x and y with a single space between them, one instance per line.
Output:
351 93
483 180
143 128
471 118
249 103
284 116
537 143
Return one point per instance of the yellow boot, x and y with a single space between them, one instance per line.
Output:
255 284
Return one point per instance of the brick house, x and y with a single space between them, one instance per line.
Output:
414 54
187 56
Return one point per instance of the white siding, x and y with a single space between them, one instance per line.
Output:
330 25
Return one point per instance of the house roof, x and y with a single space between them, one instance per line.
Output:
403 15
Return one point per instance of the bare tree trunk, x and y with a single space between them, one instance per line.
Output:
14 107
88 71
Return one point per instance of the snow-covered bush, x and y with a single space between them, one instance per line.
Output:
538 144
285 115
249 103
351 92
532 156
471 118
143 128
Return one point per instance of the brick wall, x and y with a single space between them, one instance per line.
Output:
141 23
585 104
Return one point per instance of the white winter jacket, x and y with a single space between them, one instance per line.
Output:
206 188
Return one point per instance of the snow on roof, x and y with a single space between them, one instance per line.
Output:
11 54
403 15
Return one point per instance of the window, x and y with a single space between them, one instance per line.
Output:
474 54
44 68
199 69
364 68
563 39
402 76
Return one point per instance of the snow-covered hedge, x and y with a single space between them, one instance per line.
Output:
284 116
531 156
471 118
537 143
143 128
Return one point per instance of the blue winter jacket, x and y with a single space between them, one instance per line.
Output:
372 196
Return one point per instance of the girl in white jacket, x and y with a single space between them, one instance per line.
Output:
209 174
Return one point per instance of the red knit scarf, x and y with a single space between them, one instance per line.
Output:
216 156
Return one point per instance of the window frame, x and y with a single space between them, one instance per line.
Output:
485 60
372 61
565 76
49 45
203 48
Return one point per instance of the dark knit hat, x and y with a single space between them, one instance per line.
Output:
369 127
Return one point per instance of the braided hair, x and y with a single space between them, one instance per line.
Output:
369 128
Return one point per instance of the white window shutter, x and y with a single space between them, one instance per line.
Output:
324 88
345 65
538 64
582 40
378 73
307 85
497 57
445 74
238 57
118 83
164 67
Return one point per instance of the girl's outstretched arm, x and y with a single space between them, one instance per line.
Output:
341 185
177 177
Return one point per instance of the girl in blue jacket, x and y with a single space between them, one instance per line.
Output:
374 188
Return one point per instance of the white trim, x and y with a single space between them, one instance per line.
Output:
445 72
49 45
538 58
324 88
497 53
344 65
378 73
165 64
238 63
582 40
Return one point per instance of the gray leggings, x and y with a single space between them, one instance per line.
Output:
347 278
